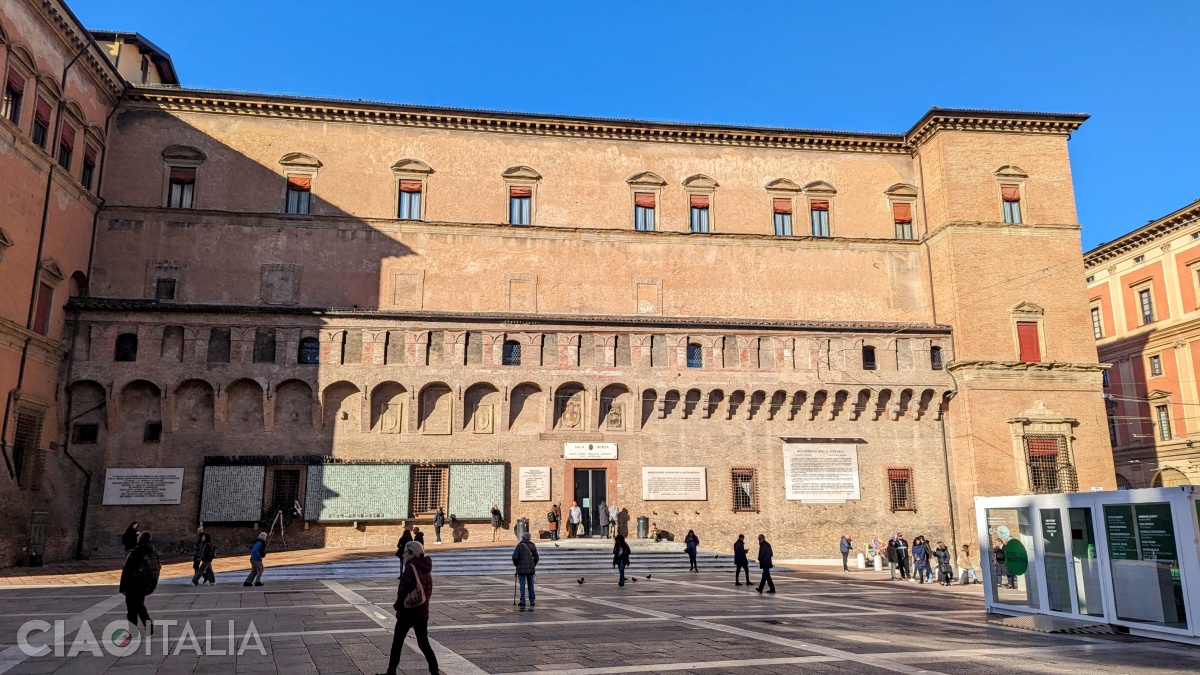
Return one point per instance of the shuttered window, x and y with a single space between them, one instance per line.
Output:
1027 337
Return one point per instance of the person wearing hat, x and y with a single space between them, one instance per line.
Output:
525 557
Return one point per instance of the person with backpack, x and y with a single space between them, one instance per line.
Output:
438 521
552 518
129 538
740 561
418 536
412 607
945 572
691 544
139 578
620 557
525 557
258 551
205 552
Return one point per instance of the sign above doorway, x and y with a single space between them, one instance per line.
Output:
589 450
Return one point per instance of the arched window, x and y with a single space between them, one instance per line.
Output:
935 358
309 352
126 347
868 357
695 355
512 353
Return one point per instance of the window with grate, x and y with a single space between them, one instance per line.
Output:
309 351
745 490
900 489
85 434
868 358
264 345
935 358
164 289
152 432
512 353
429 489
1050 468
25 448
126 347
695 355
285 491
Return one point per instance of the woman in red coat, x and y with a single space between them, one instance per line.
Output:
412 606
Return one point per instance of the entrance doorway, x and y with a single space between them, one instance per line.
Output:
591 491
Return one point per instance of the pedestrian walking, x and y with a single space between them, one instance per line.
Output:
205 552
902 555
258 551
891 557
553 516
139 578
438 521
418 536
129 538
405 537
412 607
196 549
1000 565
945 572
574 521
691 544
497 522
966 566
602 516
921 555
614 523
764 563
740 561
846 545
620 557
525 557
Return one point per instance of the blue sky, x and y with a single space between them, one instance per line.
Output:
860 66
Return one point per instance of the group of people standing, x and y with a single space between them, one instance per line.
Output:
606 521
923 556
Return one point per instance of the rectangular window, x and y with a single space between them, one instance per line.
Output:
745 490
1011 194
410 200
299 194
900 489
1027 338
643 211
14 93
783 217
1097 327
181 187
45 301
164 289
218 345
1140 258
1147 306
28 435
820 218
89 167
519 201
1090 279
935 358
41 123
1155 366
152 432
695 355
699 212
285 488
429 489
868 358
85 434
512 353
66 146
902 215
1104 378
1164 422
264 345
1049 468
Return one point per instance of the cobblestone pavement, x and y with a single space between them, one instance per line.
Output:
670 623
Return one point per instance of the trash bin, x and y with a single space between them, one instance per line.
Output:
643 527
522 526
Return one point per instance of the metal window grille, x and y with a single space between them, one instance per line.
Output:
699 219
745 490
164 289
935 358
900 489
285 490
1097 327
1147 305
783 224
1050 468
512 353
28 434
310 351
429 489
1155 366
868 357
152 432
1164 422
85 434
126 348
695 356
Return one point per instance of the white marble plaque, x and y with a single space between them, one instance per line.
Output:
589 450
674 483
143 486
535 484
820 472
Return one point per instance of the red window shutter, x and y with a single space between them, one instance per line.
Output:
899 474
782 205
1010 193
410 186
68 136
89 154
644 199
1027 336
518 191
42 113
902 213
41 320
819 205
1041 447
16 83
699 201
183 175
299 183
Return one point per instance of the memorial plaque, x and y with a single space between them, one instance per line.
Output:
341 492
534 484
143 486
232 494
674 483
589 450
474 488
821 472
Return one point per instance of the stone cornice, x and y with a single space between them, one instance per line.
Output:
45 350
1146 234
1143 341
75 36
947 119
1022 366
1000 228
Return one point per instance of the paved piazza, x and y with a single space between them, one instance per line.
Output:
819 621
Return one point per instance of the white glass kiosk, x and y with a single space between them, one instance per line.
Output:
1129 558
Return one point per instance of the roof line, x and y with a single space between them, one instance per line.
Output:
1155 229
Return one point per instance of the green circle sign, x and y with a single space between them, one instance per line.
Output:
1016 557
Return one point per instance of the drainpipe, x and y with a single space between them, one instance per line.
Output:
949 482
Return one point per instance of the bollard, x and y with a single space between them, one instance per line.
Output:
878 563
862 561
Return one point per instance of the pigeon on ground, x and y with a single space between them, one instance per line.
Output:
634 579
579 581
556 545
649 575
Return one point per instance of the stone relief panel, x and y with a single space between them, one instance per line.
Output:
570 407
615 402
479 408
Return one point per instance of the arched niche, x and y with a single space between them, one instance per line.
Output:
526 409
481 406
293 406
342 406
388 407
244 406
193 406
570 407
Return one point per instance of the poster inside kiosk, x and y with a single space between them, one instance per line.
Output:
821 472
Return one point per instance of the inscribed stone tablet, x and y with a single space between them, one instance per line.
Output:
534 484
674 483
143 486
821 472
232 494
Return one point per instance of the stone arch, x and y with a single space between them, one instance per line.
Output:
481 408
49 88
903 190
77 285
1124 483
691 400
881 402
300 160
183 153
521 172
341 403
861 403
737 399
570 407
839 403
906 397
700 181
715 398
820 187
435 409
193 409
244 406
1010 172
778 401
819 400
20 54
409 165
646 179
293 406
527 409
670 403
649 400
783 185
388 402
1169 476
140 403
924 402
755 403
88 403
615 405
798 400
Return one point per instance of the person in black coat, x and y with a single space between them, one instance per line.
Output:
438 521
418 536
891 557
135 585
764 563
620 557
740 561
129 539
902 555
205 552
691 544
